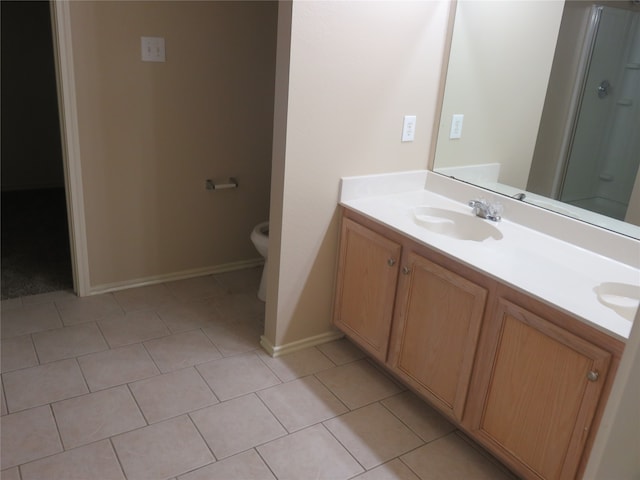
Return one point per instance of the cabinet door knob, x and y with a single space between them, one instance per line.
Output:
406 270
391 262
592 376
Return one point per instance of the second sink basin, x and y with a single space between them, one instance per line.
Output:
455 224
620 297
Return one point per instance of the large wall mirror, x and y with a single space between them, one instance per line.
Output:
543 99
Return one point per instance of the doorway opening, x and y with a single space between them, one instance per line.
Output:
35 248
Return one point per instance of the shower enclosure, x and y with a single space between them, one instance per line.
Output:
604 153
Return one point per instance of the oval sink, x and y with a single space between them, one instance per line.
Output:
455 224
623 298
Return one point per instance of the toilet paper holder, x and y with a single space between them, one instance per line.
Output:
230 183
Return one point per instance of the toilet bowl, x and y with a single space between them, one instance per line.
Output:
260 239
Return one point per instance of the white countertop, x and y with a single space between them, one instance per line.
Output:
543 264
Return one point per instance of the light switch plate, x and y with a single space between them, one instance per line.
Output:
152 49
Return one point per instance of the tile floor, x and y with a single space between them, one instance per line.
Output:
169 382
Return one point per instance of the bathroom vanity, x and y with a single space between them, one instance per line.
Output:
496 324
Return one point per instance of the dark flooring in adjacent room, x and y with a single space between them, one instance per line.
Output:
35 243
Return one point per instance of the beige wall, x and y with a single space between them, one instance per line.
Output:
281 105
354 70
615 450
151 133
499 86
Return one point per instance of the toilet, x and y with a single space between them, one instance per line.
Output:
260 239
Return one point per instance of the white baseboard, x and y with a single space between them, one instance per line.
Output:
276 351
197 272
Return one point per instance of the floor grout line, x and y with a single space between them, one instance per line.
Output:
222 319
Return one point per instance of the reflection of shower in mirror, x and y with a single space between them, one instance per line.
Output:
604 146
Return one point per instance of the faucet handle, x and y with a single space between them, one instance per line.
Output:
496 210
478 206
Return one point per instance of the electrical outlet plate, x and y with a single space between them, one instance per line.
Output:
456 126
152 49
409 128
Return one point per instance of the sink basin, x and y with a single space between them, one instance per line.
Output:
455 224
623 298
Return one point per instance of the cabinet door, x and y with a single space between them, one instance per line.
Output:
543 392
366 286
438 320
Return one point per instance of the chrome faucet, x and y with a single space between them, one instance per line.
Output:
484 209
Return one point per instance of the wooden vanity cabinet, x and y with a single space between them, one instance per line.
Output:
525 380
430 340
435 331
539 388
366 287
